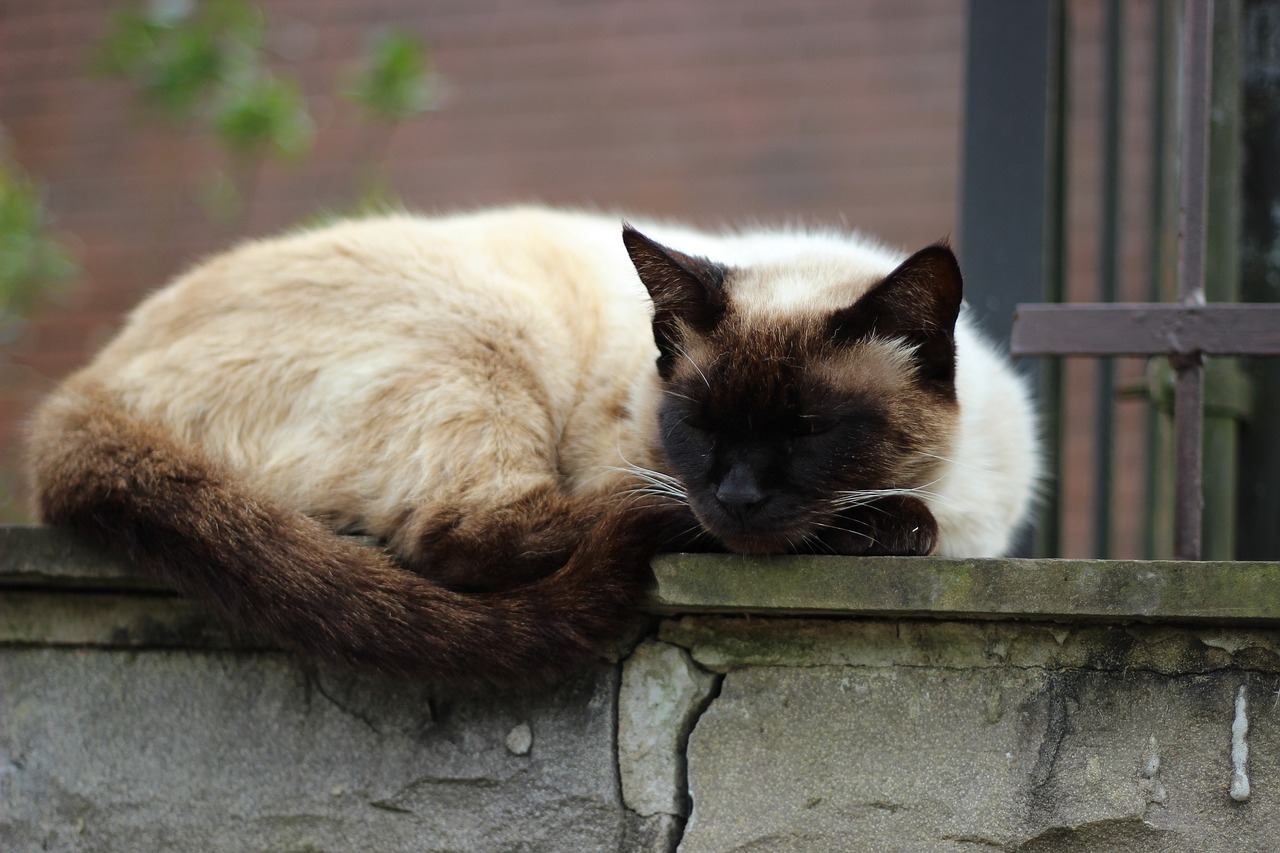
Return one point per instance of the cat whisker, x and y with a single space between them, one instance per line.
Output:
654 482
951 461
858 497
691 530
689 358
657 481
660 493
646 474
857 503
811 539
840 529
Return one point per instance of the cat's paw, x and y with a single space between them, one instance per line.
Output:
898 526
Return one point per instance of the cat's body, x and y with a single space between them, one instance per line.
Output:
480 392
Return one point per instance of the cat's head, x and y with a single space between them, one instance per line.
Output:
786 387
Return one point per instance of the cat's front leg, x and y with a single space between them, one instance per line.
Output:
899 526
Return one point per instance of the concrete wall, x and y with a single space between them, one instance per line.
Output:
128 721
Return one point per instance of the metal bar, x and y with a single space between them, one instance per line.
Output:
1145 329
1188 438
1197 49
1222 277
1048 527
1108 254
1157 515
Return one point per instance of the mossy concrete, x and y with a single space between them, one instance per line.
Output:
989 589
1116 590
797 704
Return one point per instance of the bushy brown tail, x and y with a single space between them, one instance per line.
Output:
291 581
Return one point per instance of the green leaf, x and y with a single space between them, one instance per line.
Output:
395 80
264 113
32 261
176 54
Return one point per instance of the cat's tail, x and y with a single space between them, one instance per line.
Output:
291 581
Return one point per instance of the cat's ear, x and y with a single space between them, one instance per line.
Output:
918 303
687 292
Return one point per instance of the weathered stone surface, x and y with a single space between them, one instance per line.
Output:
924 756
35 555
112 619
662 692
129 721
992 589
721 643
1245 592
180 751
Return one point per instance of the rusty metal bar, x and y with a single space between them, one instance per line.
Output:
1146 329
1108 271
1188 417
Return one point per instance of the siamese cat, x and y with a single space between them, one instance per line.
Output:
523 406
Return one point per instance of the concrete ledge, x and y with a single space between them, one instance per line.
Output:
1050 706
1117 590
40 558
45 558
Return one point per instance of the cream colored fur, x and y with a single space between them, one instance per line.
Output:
376 367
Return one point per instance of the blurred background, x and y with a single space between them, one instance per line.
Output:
137 138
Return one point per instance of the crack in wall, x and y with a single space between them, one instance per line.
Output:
651 765
313 679
1057 726
717 685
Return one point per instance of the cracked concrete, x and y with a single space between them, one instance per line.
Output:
661 698
663 693
176 751
884 733
142 727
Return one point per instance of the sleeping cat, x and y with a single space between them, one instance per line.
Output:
524 405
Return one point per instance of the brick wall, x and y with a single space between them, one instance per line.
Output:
839 111
845 111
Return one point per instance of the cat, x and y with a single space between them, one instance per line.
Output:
523 405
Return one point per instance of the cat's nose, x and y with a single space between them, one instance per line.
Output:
739 492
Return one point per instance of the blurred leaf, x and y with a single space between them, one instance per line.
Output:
395 78
206 65
264 114
236 22
32 261
177 53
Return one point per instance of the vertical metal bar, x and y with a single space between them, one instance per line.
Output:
1157 518
1222 281
1108 264
1048 534
1188 413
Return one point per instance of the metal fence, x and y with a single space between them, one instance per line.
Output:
1212 119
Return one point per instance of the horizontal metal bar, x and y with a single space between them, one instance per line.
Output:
1147 329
